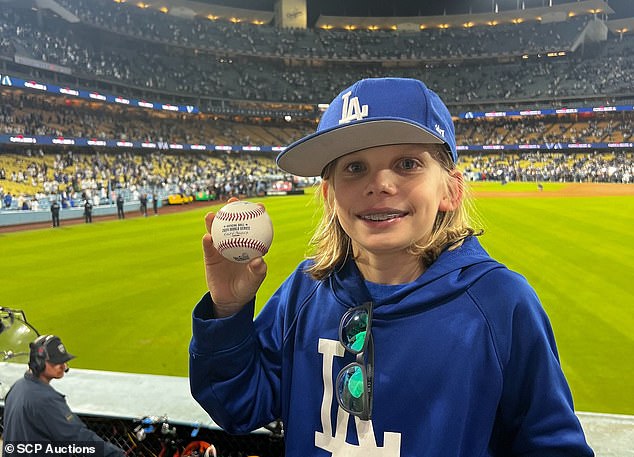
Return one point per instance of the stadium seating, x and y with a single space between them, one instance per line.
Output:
209 61
245 78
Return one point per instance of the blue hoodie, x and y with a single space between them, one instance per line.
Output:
465 365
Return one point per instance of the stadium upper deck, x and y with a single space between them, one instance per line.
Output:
236 67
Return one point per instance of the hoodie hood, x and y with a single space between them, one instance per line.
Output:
451 274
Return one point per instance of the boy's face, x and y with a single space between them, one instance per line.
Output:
387 197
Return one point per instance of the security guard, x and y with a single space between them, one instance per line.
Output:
35 412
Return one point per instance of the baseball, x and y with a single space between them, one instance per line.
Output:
242 231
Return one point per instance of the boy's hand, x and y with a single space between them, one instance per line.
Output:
231 284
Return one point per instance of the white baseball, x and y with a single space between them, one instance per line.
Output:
242 231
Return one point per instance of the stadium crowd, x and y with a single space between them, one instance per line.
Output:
144 53
551 167
28 179
75 177
206 60
35 114
253 40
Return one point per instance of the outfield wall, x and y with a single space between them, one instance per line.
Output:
19 217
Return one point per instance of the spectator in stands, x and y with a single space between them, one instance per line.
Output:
400 335
55 207
35 412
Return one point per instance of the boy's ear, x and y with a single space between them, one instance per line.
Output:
325 184
455 186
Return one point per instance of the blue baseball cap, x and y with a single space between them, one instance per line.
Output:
372 112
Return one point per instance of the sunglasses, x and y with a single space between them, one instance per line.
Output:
354 381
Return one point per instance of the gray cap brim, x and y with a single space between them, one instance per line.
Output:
308 156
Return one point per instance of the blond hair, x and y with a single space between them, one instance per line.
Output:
332 246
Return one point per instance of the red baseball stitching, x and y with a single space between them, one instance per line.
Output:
242 243
240 216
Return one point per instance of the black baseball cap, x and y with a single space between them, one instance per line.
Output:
55 350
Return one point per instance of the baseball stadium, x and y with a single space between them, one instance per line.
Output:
123 123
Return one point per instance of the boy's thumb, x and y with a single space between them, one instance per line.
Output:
258 266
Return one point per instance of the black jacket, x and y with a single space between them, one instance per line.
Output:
34 411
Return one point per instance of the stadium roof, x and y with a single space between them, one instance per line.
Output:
621 26
395 8
542 13
388 14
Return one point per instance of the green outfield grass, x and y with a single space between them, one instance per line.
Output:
120 293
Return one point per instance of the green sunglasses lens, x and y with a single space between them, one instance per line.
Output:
359 341
354 331
351 388
355 383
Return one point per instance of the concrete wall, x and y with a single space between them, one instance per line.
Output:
18 217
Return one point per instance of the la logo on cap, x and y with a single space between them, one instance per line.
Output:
352 110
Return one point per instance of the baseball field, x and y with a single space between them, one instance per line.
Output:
120 292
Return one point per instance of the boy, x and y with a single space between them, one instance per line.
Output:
400 336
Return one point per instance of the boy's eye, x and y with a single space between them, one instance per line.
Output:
409 164
354 167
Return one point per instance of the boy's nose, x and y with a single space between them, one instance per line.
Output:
381 182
